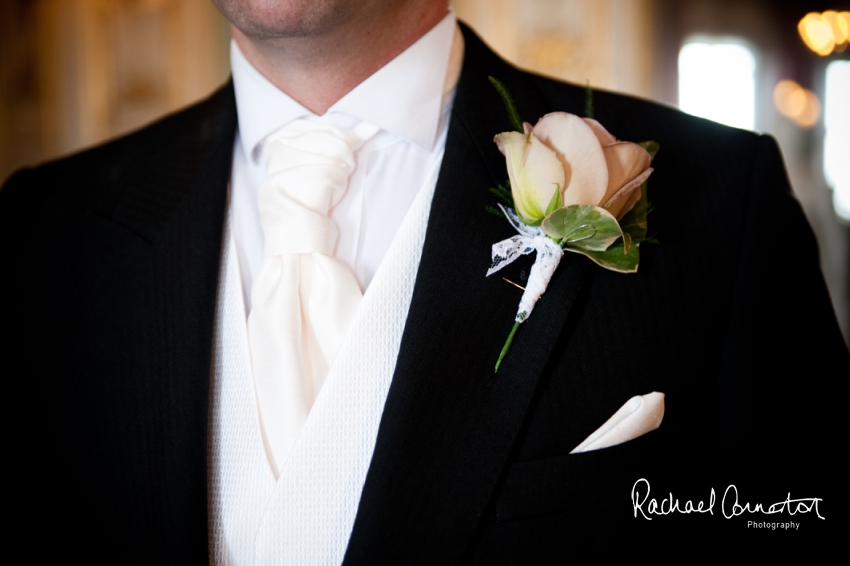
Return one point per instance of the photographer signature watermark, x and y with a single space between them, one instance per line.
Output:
789 526
730 506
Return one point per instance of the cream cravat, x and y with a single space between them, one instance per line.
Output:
303 298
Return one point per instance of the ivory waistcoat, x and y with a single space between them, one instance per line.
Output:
306 516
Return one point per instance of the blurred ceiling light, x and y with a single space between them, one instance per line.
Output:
823 33
839 24
843 22
836 145
794 102
816 33
717 81
789 98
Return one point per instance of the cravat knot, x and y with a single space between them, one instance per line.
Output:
308 165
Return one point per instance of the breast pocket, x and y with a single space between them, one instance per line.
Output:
575 481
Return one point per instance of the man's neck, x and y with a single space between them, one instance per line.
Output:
319 69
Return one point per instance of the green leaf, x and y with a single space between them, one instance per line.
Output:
555 203
526 221
624 255
582 226
503 193
494 211
508 101
615 257
634 222
651 147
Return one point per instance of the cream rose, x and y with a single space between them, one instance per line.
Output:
566 160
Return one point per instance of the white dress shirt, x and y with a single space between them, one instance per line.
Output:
409 99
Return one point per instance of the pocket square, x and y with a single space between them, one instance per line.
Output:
639 415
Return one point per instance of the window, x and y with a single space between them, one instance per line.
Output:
836 144
717 81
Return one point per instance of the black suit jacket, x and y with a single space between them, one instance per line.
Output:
111 259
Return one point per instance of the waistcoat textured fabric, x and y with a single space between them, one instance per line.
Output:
306 516
240 479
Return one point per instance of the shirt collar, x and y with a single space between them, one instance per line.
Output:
405 96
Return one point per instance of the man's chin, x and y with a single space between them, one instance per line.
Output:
264 19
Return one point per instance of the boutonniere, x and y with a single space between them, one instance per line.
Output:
573 187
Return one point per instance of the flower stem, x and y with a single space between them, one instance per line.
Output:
507 345
588 101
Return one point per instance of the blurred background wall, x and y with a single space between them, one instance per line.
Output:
74 73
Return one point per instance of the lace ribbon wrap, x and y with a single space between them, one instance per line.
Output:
530 238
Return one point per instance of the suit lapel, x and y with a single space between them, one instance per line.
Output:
449 422
181 160
174 203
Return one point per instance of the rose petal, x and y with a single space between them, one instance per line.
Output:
625 161
601 133
534 170
629 204
624 199
580 153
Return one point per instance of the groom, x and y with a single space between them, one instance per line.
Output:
112 260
